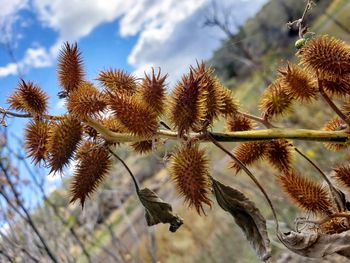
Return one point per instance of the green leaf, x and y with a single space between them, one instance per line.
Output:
246 216
157 211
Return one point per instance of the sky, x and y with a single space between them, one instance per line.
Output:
134 35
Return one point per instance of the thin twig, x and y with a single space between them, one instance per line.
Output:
28 217
324 220
300 22
263 121
331 103
166 126
28 115
249 173
128 169
333 190
55 208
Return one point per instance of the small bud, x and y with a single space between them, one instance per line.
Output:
300 43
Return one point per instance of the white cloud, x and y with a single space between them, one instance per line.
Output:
60 105
172 35
8 17
75 19
71 19
9 69
37 57
9 8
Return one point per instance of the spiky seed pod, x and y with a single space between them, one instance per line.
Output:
279 154
85 101
211 85
110 123
134 115
153 91
335 124
326 55
118 81
89 131
189 171
336 85
63 141
93 166
342 175
70 67
275 101
188 104
248 153
29 98
307 194
297 83
143 147
37 135
114 125
346 108
230 103
238 122
334 226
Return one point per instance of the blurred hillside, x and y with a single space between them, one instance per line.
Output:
112 225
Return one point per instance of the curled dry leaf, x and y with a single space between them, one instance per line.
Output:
157 211
316 245
247 217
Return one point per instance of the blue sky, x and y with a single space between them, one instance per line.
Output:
134 35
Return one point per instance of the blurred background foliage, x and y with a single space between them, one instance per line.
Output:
112 228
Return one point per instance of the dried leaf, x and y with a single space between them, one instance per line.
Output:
317 245
247 217
157 211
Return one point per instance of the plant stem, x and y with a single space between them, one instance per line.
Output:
331 103
282 133
335 194
326 219
28 115
127 168
249 173
263 121
27 216
241 136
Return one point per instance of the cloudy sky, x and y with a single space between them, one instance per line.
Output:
134 35
130 34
